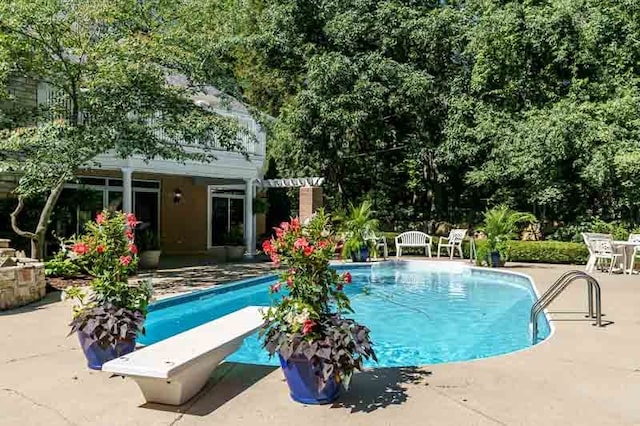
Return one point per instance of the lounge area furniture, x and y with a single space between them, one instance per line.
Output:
173 370
601 248
634 238
629 249
452 242
380 243
413 239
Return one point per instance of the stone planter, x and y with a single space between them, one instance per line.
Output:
21 284
234 253
149 259
218 253
5 249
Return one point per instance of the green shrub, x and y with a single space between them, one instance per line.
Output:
573 232
547 252
536 252
61 266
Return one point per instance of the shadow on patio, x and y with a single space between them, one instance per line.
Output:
49 298
380 388
183 274
229 380
370 390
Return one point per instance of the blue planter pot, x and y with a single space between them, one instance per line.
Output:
96 356
305 385
495 259
360 256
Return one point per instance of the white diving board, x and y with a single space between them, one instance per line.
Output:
173 370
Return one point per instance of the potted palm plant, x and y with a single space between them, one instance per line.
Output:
108 318
318 347
357 226
501 224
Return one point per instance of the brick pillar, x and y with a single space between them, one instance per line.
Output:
310 201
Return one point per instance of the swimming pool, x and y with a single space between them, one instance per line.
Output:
419 312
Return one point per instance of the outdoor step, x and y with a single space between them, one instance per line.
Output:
7 252
4 243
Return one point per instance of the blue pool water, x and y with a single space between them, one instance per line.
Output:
418 312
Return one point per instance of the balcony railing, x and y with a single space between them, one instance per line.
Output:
252 142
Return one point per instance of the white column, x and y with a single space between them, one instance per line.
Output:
249 229
127 190
253 222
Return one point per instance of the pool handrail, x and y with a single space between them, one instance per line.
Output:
593 289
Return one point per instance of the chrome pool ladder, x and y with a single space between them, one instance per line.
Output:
593 294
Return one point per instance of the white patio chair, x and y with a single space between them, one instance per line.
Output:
602 248
634 238
452 242
380 243
413 239
587 236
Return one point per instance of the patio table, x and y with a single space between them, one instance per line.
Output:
627 251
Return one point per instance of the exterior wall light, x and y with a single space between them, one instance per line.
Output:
177 195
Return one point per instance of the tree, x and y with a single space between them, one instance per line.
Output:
363 107
433 110
550 101
112 66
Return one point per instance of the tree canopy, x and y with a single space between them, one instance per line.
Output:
435 109
432 110
121 74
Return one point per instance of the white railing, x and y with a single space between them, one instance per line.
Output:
252 142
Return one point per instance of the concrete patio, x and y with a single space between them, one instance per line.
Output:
582 375
178 275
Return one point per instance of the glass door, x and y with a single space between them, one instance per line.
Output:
90 204
114 203
219 220
235 232
146 207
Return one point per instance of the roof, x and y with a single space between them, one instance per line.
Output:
210 97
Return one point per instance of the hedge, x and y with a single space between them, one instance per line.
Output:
519 251
548 252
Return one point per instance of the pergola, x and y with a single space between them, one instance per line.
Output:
289 183
310 201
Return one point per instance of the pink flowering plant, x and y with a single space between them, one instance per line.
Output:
307 316
114 309
108 246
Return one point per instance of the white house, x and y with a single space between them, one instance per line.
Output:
191 207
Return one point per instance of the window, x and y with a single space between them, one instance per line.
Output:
81 201
92 181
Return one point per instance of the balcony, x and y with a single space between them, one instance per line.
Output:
252 143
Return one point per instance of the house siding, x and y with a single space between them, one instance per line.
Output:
24 90
183 225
